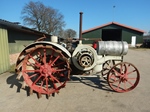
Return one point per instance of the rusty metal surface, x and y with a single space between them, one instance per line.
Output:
44 69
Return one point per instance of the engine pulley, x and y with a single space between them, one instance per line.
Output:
84 57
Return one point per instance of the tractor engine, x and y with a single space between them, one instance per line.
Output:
86 57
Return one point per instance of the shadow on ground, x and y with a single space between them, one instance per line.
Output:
12 81
94 82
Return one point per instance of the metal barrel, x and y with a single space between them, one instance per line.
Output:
114 48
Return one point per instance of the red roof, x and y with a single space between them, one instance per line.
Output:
115 23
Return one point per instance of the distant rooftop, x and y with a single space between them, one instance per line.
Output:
115 23
16 26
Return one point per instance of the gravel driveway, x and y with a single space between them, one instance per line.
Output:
82 94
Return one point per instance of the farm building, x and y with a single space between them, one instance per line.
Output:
113 31
13 37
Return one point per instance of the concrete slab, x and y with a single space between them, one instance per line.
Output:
82 94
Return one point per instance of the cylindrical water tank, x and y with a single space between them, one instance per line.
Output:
114 48
54 39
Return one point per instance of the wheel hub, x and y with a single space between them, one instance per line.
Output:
46 70
85 61
123 79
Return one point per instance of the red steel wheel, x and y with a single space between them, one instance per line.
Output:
45 70
123 77
107 67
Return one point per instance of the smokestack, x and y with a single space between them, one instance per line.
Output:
80 27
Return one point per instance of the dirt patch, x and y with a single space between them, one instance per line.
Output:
13 58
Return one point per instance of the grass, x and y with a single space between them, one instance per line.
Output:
12 69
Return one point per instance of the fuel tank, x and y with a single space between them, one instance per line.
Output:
114 48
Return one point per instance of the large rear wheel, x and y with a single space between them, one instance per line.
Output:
45 70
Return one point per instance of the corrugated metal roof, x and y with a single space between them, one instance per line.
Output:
115 23
15 26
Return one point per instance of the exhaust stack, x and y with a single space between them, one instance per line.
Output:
80 27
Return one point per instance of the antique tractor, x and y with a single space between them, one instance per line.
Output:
46 66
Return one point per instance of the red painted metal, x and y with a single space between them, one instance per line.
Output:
45 70
95 45
123 77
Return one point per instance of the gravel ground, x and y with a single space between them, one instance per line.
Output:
81 94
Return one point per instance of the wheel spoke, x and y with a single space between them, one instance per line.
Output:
54 78
59 64
132 78
107 66
115 81
55 84
114 84
121 67
130 83
60 70
32 76
39 54
126 68
131 72
31 71
51 56
116 72
55 60
112 77
44 58
31 64
38 64
36 80
46 83
42 82
118 86
107 63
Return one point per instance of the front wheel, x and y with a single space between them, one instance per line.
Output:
123 77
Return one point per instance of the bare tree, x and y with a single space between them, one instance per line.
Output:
148 33
42 18
69 33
